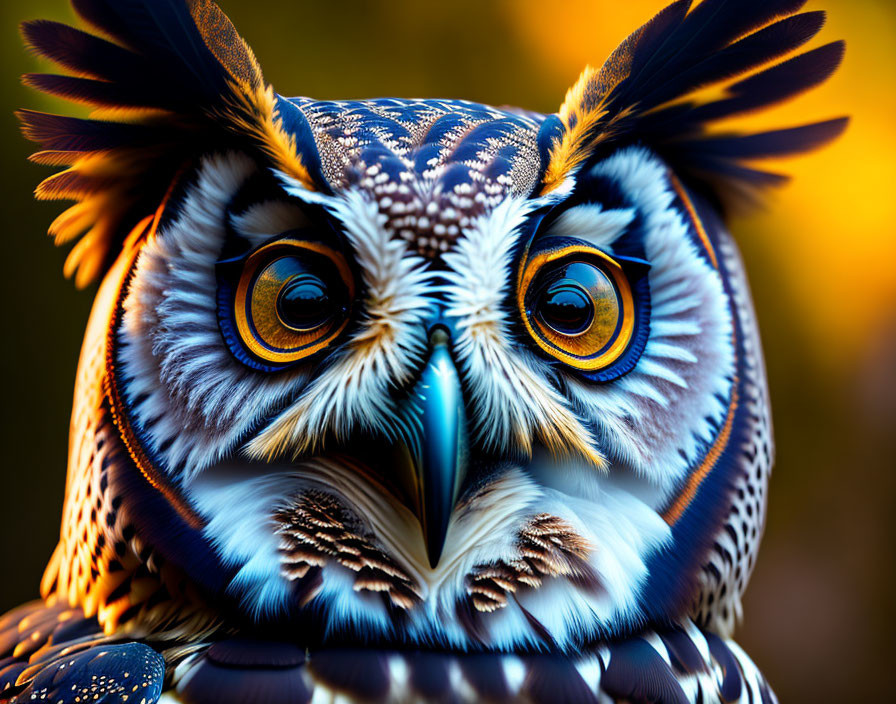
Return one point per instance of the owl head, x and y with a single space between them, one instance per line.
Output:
414 371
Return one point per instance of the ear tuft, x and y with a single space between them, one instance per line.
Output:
170 80
646 92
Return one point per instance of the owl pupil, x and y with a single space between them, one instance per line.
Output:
304 303
566 307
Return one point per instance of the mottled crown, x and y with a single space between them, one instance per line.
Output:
431 165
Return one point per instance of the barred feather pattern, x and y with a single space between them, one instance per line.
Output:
55 654
548 547
726 571
316 529
102 564
675 666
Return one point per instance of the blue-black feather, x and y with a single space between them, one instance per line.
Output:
765 45
793 140
775 84
636 672
684 49
81 52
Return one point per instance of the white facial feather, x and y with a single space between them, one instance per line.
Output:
515 402
193 400
590 222
354 393
239 501
658 417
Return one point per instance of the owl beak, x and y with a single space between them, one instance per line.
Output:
439 460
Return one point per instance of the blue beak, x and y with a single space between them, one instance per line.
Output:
439 460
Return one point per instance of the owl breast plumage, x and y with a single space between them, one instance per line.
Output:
408 400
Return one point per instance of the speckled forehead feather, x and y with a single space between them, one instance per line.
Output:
431 165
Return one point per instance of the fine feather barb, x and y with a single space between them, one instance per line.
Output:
776 84
62 133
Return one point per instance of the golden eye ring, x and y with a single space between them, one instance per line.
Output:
292 300
577 304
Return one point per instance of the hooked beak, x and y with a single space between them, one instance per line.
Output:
439 460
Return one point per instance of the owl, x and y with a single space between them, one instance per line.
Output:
408 400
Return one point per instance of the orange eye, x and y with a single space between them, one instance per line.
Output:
292 300
577 304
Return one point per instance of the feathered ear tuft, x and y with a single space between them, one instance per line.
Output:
170 80
645 93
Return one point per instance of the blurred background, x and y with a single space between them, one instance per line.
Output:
822 261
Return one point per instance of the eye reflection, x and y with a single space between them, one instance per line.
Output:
579 301
304 303
566 308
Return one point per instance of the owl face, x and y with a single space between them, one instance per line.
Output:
491 396
421 371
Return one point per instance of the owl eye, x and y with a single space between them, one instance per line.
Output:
580 306
292 299
306 302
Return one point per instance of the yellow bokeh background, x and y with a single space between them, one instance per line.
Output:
821 258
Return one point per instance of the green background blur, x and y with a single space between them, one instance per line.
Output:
819 612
